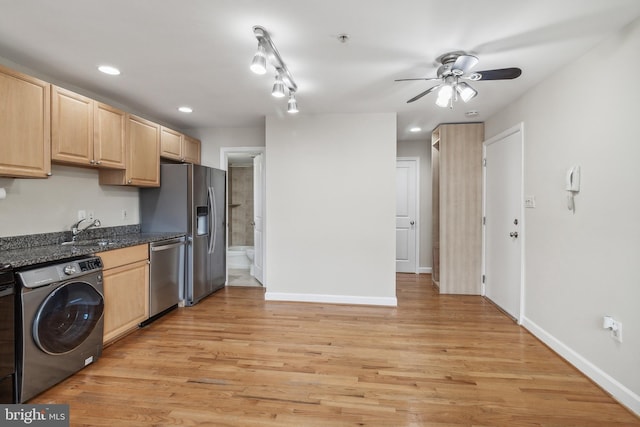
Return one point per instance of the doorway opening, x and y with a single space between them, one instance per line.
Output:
245 193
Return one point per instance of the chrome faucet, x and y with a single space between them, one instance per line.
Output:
75 230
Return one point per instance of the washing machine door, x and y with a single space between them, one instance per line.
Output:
67 317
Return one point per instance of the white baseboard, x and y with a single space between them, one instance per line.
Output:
332 299
621 393
424 270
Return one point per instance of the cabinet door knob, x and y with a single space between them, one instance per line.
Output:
129 182
91 161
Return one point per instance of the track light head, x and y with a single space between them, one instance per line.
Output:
259 63
292 105
278 88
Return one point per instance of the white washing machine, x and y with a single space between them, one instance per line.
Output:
61 318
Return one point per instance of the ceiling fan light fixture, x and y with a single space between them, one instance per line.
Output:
278 88
259 62
474 77
292 105
465 91
445 95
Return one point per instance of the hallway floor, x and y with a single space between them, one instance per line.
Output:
241 277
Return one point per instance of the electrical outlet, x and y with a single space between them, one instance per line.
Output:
614 326
82 214
616 332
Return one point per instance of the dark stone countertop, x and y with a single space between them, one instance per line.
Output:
42 250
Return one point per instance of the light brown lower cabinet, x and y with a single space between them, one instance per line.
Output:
126 290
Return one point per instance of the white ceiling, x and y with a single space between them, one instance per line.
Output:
197 52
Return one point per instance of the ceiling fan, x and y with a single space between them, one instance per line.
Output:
456 66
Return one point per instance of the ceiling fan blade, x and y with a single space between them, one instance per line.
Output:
420 95
407 80
463 64
498 74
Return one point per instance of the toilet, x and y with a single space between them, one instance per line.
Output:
250 252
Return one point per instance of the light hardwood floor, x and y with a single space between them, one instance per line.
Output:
236 360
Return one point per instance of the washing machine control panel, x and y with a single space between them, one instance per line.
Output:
90 264
41 276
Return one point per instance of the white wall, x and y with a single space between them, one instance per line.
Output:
50 205
214 138
422 149
330 221
582 266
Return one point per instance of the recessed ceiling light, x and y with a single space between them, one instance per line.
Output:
415 129
108 69
185 109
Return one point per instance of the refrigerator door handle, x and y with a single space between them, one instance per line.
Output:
211 202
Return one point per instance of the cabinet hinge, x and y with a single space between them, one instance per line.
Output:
484 162
484 220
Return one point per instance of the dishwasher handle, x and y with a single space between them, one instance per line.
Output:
159 246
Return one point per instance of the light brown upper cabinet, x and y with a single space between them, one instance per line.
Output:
171 144
85 132
25 125
191 150
176 146
456 156
142 156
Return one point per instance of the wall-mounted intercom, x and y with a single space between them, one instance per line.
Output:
573 179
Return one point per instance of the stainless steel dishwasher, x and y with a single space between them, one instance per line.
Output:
166 277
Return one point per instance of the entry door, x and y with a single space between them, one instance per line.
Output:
258 220
503 211
406 215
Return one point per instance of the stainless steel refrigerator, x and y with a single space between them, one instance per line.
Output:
191 199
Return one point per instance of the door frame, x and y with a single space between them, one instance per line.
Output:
416 160
224 164
519 128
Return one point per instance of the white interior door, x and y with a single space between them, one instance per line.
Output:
406 215
258 217
503 211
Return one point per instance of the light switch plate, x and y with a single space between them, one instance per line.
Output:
529 201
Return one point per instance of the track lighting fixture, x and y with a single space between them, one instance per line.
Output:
292 105
267 51
259 63
278 88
